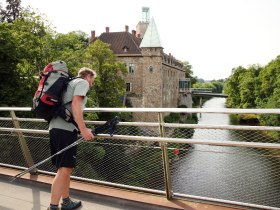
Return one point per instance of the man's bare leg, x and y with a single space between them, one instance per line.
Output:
61 185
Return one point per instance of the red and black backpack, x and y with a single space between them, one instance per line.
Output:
47 101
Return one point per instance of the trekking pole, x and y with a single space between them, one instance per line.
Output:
47 159
110 125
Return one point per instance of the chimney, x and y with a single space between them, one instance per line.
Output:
170 58
92 34
126 28
107 29
133 32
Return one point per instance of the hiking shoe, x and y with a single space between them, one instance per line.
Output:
71 205
49 208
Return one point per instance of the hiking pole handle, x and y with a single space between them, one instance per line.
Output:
110 125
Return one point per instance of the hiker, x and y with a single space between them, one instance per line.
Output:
64 133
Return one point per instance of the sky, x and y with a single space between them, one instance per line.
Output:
214 36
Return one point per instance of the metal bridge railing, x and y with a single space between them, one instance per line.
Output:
201 90
232 164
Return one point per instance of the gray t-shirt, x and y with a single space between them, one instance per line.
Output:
76 87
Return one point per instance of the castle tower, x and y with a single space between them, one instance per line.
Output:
145 14
152 51
142 26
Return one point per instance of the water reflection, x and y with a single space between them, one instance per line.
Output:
231 173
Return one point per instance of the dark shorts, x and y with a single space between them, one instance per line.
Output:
60 139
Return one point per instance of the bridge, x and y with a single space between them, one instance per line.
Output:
207 92
201 94
147 165
198 92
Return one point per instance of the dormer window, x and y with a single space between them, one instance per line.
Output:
125 49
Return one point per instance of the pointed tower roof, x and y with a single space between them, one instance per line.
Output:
151 37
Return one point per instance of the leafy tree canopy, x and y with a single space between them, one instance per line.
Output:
109 85
12 11
28 43
256 87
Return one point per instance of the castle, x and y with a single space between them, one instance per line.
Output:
154 79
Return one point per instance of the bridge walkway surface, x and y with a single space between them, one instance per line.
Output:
32 192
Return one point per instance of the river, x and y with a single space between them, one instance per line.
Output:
230 173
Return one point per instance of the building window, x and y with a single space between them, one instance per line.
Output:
184 84
151 69
125 49
131 68
128 87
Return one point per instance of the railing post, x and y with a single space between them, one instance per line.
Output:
200 104
24 148
167 176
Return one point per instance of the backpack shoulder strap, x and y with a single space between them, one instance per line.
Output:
72 78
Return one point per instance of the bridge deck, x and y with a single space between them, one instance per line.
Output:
33 193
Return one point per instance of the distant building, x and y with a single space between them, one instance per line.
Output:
154 79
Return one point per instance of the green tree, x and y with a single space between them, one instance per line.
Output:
9 80
22 42
269 79
110 85
248 84
70 48
269 91
218 86
12 11
204 85
28 44
188 69
232 87
189 72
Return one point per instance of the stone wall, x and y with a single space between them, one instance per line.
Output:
155 84
135 78
171 77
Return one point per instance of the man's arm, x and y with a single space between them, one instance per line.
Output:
77 102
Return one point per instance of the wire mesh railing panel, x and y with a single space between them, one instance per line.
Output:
11 152
222 134
131 163
39 146
6 123
252 136
138 131
184 133
244 173
123 162
34 125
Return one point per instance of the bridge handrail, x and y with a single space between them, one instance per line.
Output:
208 90
166 110
162 139
167 140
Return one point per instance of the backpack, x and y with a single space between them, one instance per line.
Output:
47 101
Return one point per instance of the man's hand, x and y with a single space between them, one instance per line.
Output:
87 134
